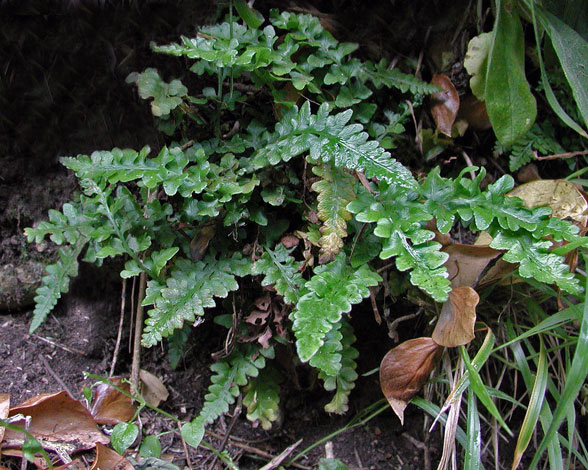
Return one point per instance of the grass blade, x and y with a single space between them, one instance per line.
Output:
534 409
472 459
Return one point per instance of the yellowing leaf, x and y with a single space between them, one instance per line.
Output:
405 369
455 326
476 61
564 198
444 104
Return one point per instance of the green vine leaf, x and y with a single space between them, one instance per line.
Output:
343 381
190 288
228 375
332 291
335 191
166 96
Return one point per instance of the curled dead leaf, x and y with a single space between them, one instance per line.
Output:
444 104
405 369
109 406
59 419
455 326
107 459
467 262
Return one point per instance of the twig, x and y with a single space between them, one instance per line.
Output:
120 327
136 364
188 462
276 461
562 155
255 450
415 442
187 145
55 376
236 414
60 346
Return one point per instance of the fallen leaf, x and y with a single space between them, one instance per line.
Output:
154 392
405 369
467 262
257 317
455 326
107 459
290 240
58 418
263 302
109 406
199 243
528 173
564 198
4 408
265 337
474 112
444 104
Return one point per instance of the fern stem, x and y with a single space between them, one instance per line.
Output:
136 364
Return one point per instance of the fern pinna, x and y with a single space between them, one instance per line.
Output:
206 218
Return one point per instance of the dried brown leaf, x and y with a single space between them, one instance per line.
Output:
455 326
444 104
405 369
474 112
107 459
109 406
58 418
467 262
153 391
199 243
290 240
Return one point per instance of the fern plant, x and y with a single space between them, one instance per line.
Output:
212 207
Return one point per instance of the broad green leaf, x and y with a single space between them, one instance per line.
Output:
249 15
510 104
150 447
476 63
123 435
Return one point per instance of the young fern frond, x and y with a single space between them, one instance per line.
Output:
335 191
262 398
282 271
56 282
344 380
228 376
332 291
189 289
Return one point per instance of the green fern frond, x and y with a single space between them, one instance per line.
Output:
399 219
228 376
380 76
262 398
344 380
282 271
65 226
335 191
332 291
330 139
190 288
56 282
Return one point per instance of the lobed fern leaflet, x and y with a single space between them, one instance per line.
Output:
344 380
189 289
228 375
335 191
332 291
330 139
262 398
56 282
282 271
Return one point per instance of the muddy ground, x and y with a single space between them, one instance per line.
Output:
63 92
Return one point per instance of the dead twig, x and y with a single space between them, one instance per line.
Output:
120 328
562 155
60 346
54 375
136 364
188 462
277 460
236 414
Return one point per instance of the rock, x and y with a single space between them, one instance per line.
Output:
18 284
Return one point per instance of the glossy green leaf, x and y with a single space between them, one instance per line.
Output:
150 447
123 435
510 104
249 15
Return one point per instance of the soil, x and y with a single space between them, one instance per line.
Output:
63 92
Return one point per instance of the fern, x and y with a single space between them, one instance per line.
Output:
262 398
344 380
228 375
190 288
400 219
281 271
56 282
330 139
332 291
335 190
